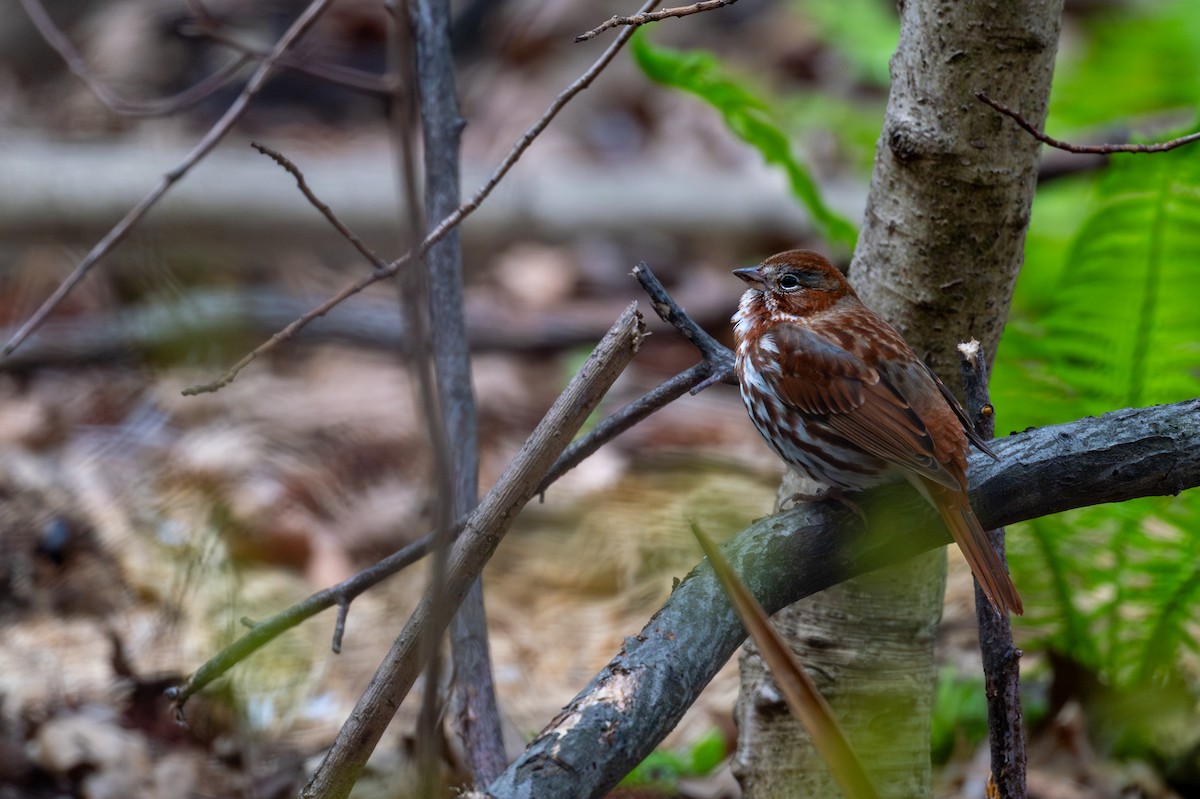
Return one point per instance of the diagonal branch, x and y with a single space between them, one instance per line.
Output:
717 356
217 132
630 706
470 552
320 205
345 592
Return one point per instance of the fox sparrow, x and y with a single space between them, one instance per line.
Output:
837 392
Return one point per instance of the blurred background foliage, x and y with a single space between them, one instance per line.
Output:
1105 315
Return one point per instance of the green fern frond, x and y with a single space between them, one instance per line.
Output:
1115 324
1146 56
746 116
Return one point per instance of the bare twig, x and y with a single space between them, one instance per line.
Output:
627 417
442 228
1091 149
210 140
109 99
346 77
641 19
1001 658
268 630
325 210
716 355
479 539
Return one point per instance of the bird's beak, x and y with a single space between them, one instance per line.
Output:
751 275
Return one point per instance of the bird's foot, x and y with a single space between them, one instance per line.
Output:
831 493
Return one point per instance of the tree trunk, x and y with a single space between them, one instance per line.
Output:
939 252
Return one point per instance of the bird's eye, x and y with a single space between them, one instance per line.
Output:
789 282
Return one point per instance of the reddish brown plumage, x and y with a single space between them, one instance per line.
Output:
843 399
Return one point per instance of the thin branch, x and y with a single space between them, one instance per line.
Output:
185 99
476 715
413 292
716 354
1090 149
443 227
641 19
631 705
346 77
1001 658
268 630
325 210
210 140
627 417
487 526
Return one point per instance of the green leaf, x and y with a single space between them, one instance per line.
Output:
662 769
865 32
959 709
1118 325
708 752
746 115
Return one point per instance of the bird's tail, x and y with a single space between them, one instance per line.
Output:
985 564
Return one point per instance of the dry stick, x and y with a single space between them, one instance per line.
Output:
716 354
210 140
118 105
342 594
445 226
268 630
482 534
1090 149
326 211
1001 659
643 18
478 718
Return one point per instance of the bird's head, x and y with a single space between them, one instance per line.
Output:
795 283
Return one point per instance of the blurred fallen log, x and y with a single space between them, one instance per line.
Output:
73 192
